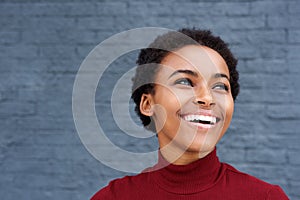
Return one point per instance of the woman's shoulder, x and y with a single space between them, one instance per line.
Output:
121 187
252 185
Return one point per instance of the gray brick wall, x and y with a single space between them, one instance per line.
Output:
42 44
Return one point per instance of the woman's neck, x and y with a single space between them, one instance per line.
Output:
178 156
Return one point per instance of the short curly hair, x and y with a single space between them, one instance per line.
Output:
149 59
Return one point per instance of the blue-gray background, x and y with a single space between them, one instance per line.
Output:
42 44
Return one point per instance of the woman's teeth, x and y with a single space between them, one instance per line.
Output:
200 119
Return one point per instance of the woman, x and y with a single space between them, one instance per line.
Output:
184 90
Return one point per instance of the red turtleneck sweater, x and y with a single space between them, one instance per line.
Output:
205 178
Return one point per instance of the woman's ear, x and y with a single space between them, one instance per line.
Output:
146 103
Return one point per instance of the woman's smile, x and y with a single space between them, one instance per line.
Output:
202 120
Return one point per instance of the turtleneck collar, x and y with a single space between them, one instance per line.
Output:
191 178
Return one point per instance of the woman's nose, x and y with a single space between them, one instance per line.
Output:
203 97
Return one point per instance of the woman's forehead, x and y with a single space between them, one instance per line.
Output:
200 59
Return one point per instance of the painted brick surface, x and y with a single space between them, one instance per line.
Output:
43 42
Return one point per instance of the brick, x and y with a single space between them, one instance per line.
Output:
294 190
54 108
294 36
255 37
96 23
137 9
292 52
263 65
235 37
63 66
38 193
83 50
251 95
7 64
47 23
111 8
17 108
190 9
8 94
294 158
293 66
202 22
266 36
283 111
37 181
43 9
12 66
34 67
29 166
10 23
6 185
281 127
279 96
245 22
273 51
40 37
10 9
81 9
291 171
278 82
146 21
251 52
281 140
9 37
58 51
48 138
283 21
251 109
293 7
171 23
59 9
232 23
27 94
38 123
54 82
229 8
251 81
272 156
268 8
231 155
19 51
30 155
15 80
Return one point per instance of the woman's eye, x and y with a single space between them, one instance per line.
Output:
184 81
221 86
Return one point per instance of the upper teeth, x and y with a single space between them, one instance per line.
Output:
200 117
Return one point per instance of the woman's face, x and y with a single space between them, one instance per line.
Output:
192 105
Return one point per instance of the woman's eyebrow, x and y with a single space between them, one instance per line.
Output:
221 75
184 71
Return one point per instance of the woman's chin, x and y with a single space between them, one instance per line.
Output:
200 148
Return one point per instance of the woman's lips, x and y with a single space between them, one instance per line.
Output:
201 120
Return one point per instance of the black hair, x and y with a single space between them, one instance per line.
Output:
149 59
